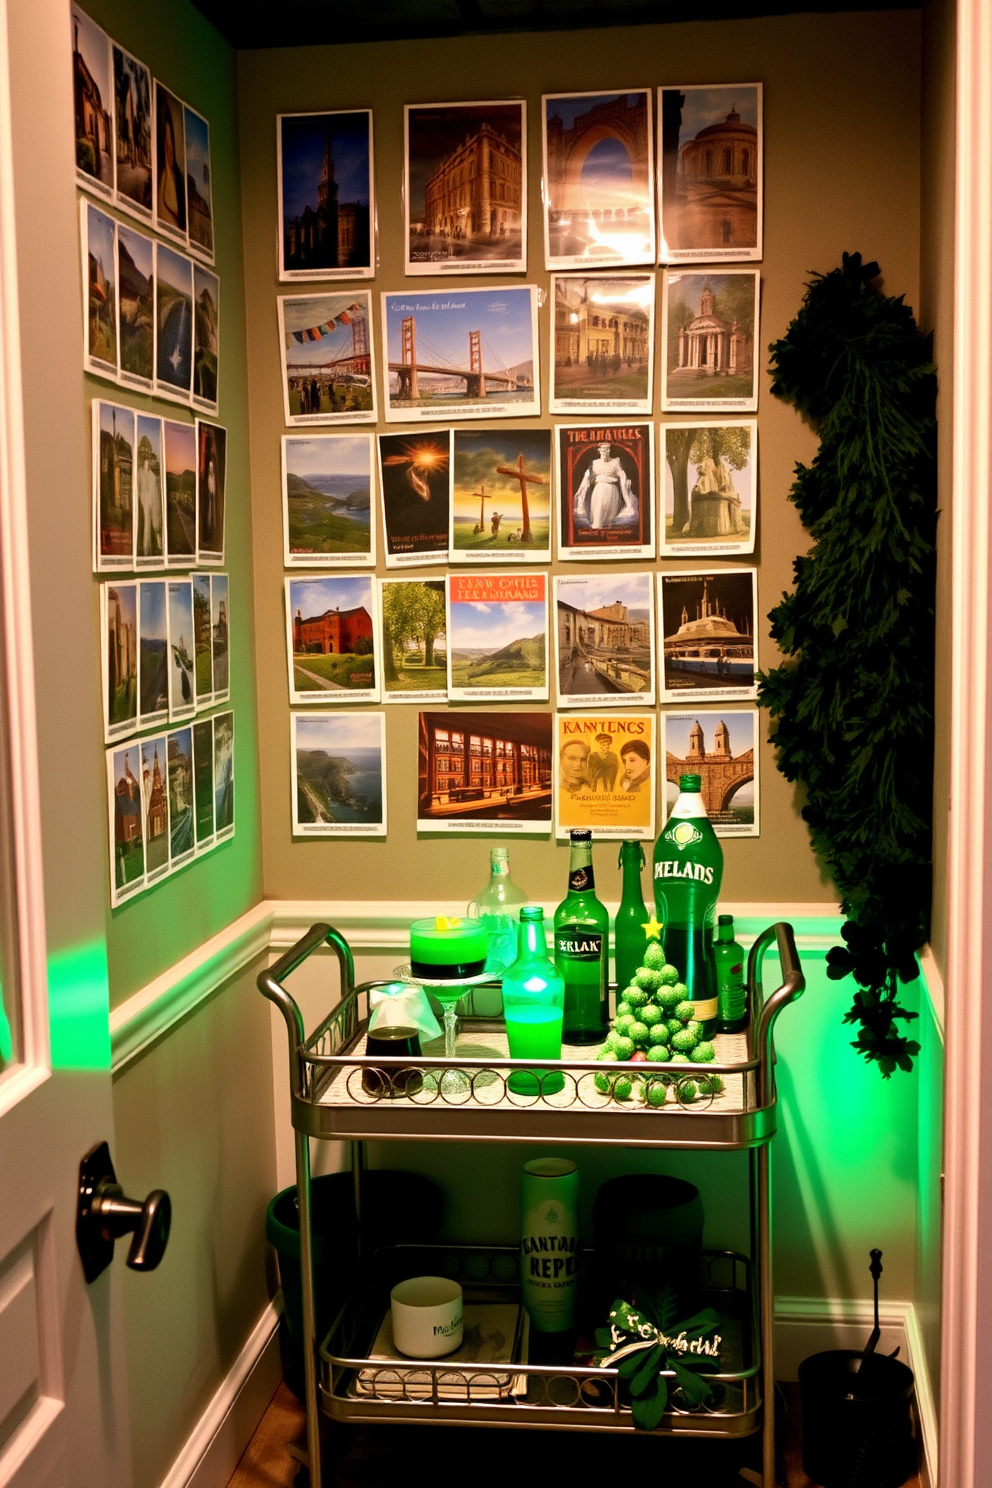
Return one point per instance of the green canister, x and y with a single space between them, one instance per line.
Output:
549 1245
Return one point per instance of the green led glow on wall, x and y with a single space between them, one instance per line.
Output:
79 1007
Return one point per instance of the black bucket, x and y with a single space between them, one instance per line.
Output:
648 1232
861 1442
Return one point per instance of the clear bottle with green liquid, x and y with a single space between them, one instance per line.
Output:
533 1004
582 949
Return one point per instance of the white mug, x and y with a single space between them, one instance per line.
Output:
427 1316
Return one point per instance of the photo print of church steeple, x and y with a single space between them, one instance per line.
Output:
707 625
325 195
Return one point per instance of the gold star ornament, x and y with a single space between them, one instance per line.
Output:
652 929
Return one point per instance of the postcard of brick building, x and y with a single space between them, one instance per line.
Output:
180 492
708 482
606 490
126 821
339 774
199 187
501 485
93 92
414 641
602 343
497 637
465 188
149 493
332 629
154 782
416 496
485 772
706 621
206 339
710 149
721 746
203 784
327 501
223 776
169 166
98 241
173 325
153 653
181 653
710 341
113 486
325 193
211 488
328 359
136 308
220 611
132 134
605 774
604 640
119 656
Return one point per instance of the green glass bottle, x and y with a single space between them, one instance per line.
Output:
582 949
629 938
731 986
688 868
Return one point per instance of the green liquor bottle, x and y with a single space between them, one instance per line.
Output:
688 868
582 949
630 940
731 987
533 1001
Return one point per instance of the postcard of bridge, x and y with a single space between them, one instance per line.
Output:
710 149
332 639
339 774
605 774
606 490
501 482
498 637
706 620
461 353
328 360
721 746
708 474
604 640
485 772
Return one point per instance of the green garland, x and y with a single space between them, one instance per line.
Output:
853 703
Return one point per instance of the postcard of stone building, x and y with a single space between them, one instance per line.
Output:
126 821
414 641
332 629
328 360
169 165
605 774
327 515
465 188
598 179
497 637
606 490
153 653
154 784
149 494
132 134
199 190
721 745
710 341
180 493
173 324
710 153
206 339
182 833
220 611
339 774
203 784
223 776
501 485
93 92
182 663
602 343
113 486
485 772
203 651
708 488
706 623
326 201
136 308
461 354
98 236
211 488
604 640
416 496
119 656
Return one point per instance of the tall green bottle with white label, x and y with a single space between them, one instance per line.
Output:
582 949
688 869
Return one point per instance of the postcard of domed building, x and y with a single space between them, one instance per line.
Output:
710 154
709 333
708 480
706 623
603 339
598 179
721 746
326 205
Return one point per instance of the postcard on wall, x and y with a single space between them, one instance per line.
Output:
721 745
153 653
180 492
328 362
327 500
154 781
203 651
113 486
170 165
605 774
182 834
173 324
182 666
501 482
149 504
414 641
604 640
199 192
602 343
220 609
709 336
465 188
326 205
203 784
485 772
132 134
416 495
211 485
119 629
136 308
605 491
339 774
498 637
223 776
126 811
93 92
706 621
710 173
709 476
598 179
461 353
206 339
332 625
99 249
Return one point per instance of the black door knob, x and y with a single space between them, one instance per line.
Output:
104 1215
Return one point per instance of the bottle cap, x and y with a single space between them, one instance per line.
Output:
690 782
725 919
532 912
581 834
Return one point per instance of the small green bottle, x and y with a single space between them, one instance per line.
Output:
731 986
629 938
582 949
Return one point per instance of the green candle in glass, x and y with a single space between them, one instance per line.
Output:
533 1007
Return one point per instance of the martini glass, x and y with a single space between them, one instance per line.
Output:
449 998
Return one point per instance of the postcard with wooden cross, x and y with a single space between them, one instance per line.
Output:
501 496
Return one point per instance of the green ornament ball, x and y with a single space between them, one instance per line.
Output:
685 1010
674 1025
670 975
636 996
684 1042
656 1093
703 1052
624 1009
624 1024
650 1014
654 956
657 1054
659 1034
623 1047
640 1033
624 1088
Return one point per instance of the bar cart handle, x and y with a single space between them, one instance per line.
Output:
792 986
270 984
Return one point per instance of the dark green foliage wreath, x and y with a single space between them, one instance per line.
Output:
853 702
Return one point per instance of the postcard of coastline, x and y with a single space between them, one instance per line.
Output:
220 613
461 354
149 494
169 166
119 628
497 637
153 653
328 359
710 177
154 781
98 240
706 624
182 834
332 628
135 308
206 339
414 641
113 486
727 739
603 343
605 490
465 187
199 192
315 153
598 213
173 324
709 334
416 497
211 488
180 492
708 489
132 135
604 640
203 784
94 108
339 774
605 774
224 775
485 772
126 821
501 485
327 515
182 665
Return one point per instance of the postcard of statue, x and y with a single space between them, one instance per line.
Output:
136 308
605 774
328 359
721 746
119 628
180 492
220 609
465 188
709 333
501 482
416 496
461 354
603 343
414 641
182 665
98 238
326 203
206 339
598 179
604 640
170 165
199 192
203 784
339 774
149 494
327 500
132 134
127 823
605 491
182 837
154 783
153 653
223 776
332 628
173 324
709 484
706 624
211 485
485 772
710 179
498 637
94 105
113 486
203 651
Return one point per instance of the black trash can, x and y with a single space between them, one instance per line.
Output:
857 1427
648 1232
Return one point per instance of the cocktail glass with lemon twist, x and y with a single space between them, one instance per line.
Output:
448 949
